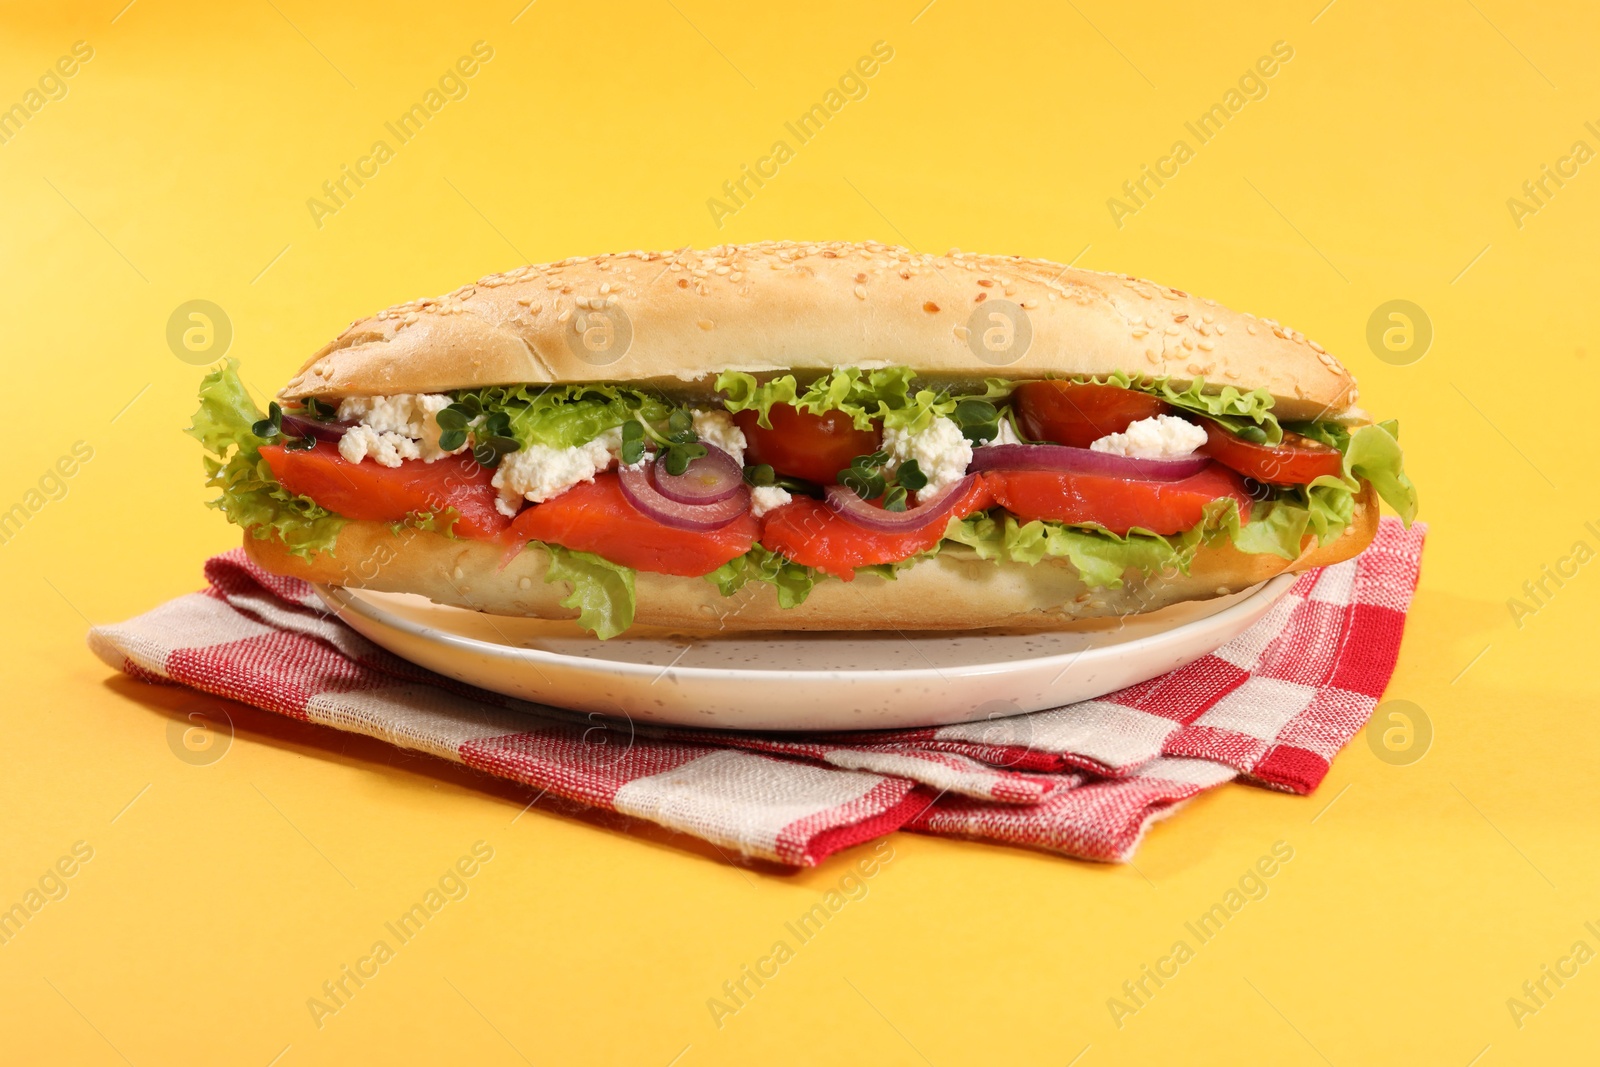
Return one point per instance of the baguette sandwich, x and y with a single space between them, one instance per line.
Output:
791 436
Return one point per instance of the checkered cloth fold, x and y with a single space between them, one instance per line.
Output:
1272 707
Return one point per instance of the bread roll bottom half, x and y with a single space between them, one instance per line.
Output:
953 590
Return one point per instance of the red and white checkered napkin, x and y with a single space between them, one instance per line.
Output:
1087 780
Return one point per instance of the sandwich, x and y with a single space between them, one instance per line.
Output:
794 436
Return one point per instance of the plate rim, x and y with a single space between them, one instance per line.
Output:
1273 589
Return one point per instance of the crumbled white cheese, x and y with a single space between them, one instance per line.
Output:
1006 436
763 498
385 449
1161 437
941 452
718 428
538 472
393 428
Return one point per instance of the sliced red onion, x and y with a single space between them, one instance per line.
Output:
713 477
852 508
294 426
1085 461
641 493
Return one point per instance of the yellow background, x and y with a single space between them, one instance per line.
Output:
1378 167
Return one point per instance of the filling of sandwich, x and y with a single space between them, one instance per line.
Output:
787 483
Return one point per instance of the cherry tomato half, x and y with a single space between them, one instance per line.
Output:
1070 413
803 445
1294 461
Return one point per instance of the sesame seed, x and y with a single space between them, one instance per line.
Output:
1194 368
1137 334
861 292
1222 328
1207 346
1250 328
931 308
566 313
1316 347
704 324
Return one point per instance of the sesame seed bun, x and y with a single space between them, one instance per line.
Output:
673 320
951 591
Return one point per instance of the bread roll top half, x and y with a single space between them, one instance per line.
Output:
671 321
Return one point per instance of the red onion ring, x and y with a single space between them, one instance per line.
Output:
845 504
294 426
709 479
641 493
1071 460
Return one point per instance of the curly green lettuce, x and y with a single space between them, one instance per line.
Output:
602 591
1100 557
250 496
565 416
865 395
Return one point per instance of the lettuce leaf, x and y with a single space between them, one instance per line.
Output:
1100 557
251 497
565 416
865 396
602 591
792 581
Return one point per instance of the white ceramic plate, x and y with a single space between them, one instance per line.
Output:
797 681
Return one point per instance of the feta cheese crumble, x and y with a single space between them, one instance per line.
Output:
1161 437
538 472
391 429
718 428
763 498
941 452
